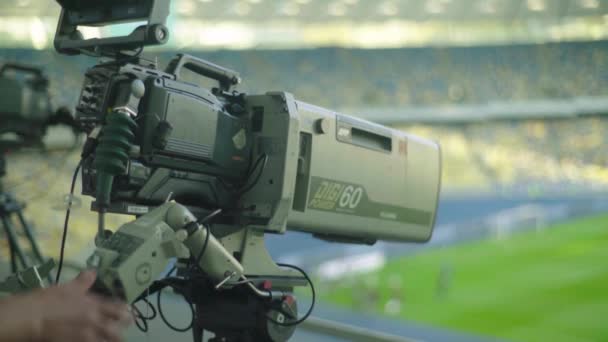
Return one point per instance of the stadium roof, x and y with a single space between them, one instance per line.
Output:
323 10
359 23
411 10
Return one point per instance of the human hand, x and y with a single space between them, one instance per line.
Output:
75 314
67 312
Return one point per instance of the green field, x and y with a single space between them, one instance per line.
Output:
550 285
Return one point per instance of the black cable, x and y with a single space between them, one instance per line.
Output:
162 315
65 224
171 270
264 159
253 166
206 242
250 164
141 321
153 314
200 254
312 305
250 169
168 278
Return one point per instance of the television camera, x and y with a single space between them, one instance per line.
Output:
25 110
25 114
209 172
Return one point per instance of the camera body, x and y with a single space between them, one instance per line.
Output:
26 106
268 161
323 172
188 142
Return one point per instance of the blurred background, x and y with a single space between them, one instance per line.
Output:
515 91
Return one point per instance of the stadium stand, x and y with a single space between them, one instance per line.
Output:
347 78
531 155
481 155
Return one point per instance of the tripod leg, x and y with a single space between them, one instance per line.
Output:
30 237
12 256
33 243
12 240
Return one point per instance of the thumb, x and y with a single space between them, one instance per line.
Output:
84 281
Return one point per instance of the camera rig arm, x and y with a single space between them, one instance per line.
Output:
136 255
227 296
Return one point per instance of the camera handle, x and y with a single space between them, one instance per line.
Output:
40 80
22 68
225 77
